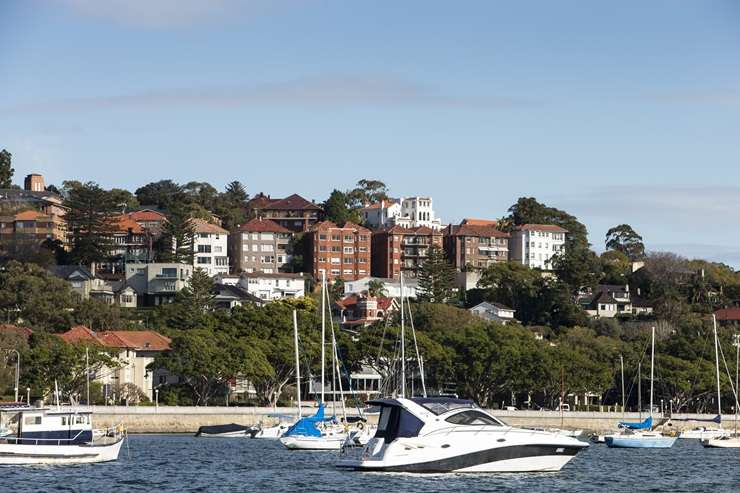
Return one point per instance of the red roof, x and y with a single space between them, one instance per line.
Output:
147 215
124 223
119 339
13 329
202 226
260 225
324 225
479 222
541 227
29 215
728 314
292 202
476 230
80 333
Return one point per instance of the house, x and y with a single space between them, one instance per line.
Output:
728 316
109 289
534 245
157 283
261 245
341 252
268 286
149 219
475 243
231 295
398 249
391 287
608 301
409 212
355 311
210 246
33 196
493 312
134 350
293 212
131 242
31 227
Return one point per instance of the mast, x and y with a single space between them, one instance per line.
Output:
323 329
737 360
297 365
652 372
716 362
403 345
562 395
418 355
333 375
87 375
621 364
639 388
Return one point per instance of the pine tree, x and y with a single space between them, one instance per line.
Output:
89 216
6 169
179 237
436 277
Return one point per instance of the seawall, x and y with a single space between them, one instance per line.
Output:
177 419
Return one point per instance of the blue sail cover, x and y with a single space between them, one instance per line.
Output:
307 426
643 425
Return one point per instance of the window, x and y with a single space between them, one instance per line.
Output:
32 420
348 260
363 237
349 250
169 272
335 238
348 238
127 298
322 248
204 260
266 236
336 249
347 272
322 237
204 248
335 272
472 418
362 249
218 249
335 260
268 248
222 261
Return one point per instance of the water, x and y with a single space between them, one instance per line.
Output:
185 464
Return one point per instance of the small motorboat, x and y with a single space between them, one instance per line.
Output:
704 433
39 435
722 442
271 432
443 434
231 430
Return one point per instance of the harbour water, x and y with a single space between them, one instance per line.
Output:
184 463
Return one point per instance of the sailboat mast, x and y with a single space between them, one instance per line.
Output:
621 365
403 344
639 388
323 330
652 372
562 395
297 363
716 362
737 360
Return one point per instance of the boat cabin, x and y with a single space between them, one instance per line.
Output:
23 425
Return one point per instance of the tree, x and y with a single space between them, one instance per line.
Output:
367 192
624 239
577 266
193 303
510 283
436 277
206 360
528 210
616 267
376 288
89 217
6 169
123 199
160 194
30 294
337 210
178 237
232 205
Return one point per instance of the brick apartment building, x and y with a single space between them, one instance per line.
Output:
477 243
261 245
341 252
398 249
294 212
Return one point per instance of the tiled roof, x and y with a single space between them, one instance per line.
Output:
29 215
123 223
419 230
292 202
119 339
259 225
66 271
728 314
479 222
202 226
13 329
80 333
147 215
542 227
324 225
475 230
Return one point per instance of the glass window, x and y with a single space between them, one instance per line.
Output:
472 418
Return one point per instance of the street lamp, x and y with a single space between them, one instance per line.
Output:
156 398
28 396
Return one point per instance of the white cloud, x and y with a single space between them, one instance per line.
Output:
328 92
157 14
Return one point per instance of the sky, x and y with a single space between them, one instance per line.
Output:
617 112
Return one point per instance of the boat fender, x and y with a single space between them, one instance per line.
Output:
360 426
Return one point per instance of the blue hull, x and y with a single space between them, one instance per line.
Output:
640 442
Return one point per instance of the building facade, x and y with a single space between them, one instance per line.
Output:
34 195
210 248
293 212
340 252
409 212
261 245
534 245
86 285
130 242
31 227
266 286
493 312
381 214
398 249
157 283
476 244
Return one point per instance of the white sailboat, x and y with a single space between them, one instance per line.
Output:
726 440
642 435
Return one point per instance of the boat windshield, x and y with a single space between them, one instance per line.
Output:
473 418
441 405
397 422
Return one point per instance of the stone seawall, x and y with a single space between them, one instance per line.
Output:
171 419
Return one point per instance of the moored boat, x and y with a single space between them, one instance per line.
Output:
40 435
231 430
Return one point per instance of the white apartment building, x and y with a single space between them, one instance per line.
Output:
409 212
267 286
211 248
534 245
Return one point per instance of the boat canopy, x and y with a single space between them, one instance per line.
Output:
647 424
437 405
307 426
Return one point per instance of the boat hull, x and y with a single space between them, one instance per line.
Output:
732 442
653 441
706 434
518 458
11 454
313 443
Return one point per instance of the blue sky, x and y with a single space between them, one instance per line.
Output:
614 111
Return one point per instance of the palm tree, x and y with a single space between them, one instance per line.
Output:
376 288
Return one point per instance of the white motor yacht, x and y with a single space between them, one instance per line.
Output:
55 436
442 434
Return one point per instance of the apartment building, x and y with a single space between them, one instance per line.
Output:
340 252
381 214
210 247
130 242
534 245
31 227
33 195
475 243
409 212
398 249
268 286
293 212
157 283
261 245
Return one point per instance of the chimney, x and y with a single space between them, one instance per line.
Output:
34 183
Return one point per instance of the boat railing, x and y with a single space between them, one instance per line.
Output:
45 441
